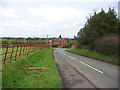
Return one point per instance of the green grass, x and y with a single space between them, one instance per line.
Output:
94 54
9 41
14 53
31 41
28 51
17 75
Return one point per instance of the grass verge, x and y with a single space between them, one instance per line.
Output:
17 75
93 54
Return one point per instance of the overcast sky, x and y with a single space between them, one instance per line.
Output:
39 18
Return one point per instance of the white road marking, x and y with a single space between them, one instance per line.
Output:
69 56
72 57
91 67
64 54
85 64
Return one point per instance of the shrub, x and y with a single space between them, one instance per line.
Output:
67 46
107 45
68 41
54 45
83 47
91 46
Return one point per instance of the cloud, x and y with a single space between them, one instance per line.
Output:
1 29
13 1
18 18
9 13
23 23
51 15
55 13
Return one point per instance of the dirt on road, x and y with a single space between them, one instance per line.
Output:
71 78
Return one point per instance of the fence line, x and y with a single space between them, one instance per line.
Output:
11 50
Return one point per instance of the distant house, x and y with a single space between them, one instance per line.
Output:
59 41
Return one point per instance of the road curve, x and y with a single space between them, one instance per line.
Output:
101 74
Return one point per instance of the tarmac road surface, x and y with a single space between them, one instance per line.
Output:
101 74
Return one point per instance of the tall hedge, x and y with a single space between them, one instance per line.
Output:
107 45
98 25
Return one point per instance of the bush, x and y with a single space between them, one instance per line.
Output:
55 45
107 45
67 46
91 46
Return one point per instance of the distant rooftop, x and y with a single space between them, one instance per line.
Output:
58 39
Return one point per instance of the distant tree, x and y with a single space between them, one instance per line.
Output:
68 41
42 38
75 37
8 38
29 38
36 38
20 38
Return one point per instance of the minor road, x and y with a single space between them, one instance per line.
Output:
101 74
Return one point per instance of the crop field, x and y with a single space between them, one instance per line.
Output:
11 51
34 41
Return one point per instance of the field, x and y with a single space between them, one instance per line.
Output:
94 54
14 53
11 51
17 75
33 41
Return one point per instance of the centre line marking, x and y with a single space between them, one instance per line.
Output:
91 67
71 57
65 54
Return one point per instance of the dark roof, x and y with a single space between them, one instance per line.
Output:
58 39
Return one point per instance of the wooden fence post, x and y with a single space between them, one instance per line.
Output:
12 50
24 47
20 49
27 48
6 51
16 50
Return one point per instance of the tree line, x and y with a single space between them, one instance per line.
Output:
98 26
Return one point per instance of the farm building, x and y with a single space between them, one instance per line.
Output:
59 41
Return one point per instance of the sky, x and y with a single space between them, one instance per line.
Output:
39 18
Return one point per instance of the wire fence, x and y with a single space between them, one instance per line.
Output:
12 50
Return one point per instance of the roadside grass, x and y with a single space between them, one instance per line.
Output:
94 54
17 75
